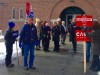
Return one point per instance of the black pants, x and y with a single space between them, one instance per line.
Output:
63 38
43 40
56 45
74 43
39 42
46 44
22 50
9 51
95 62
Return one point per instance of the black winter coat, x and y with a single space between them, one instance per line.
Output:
56 33
8 37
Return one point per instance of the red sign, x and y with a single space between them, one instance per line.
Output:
81 36
83 21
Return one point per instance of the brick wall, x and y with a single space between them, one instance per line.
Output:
45 9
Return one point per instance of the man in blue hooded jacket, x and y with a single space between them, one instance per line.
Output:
28 36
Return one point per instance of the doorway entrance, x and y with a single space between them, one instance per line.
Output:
69 13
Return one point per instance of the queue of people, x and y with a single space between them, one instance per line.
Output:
32 35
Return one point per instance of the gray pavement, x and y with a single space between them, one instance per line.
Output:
52 63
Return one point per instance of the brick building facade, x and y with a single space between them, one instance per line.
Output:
49 10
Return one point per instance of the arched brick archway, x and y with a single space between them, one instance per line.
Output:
70 12
87 8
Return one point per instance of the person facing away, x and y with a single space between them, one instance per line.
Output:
56 36
63 33
10 38
28 36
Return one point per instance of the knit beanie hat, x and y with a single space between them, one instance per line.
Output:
11 24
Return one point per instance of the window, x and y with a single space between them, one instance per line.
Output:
20 13
13 13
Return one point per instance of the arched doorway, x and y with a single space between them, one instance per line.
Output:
70 12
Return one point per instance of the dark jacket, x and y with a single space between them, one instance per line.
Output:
63 30
48 30
56 33
8 37
28 34
72 31
59 24
95 36
43 29
42 32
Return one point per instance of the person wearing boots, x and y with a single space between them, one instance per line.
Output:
72 34
28 36
42 33
63 33
95 36
56 36
10 38
47 38
38 26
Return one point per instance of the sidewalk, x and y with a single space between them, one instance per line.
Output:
51 63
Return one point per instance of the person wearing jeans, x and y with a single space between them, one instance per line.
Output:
28 36
95 37
31 52
88 46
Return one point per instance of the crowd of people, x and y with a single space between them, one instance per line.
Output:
32 35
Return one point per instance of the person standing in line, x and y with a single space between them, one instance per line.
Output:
47 38
63 33
10 38
59 23
38 26
43 32
28 36
56 36
72 34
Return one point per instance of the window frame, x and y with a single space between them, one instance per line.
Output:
21 9
13 13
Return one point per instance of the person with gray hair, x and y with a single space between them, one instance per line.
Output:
63 33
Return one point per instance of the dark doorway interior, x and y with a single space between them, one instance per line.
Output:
70 12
